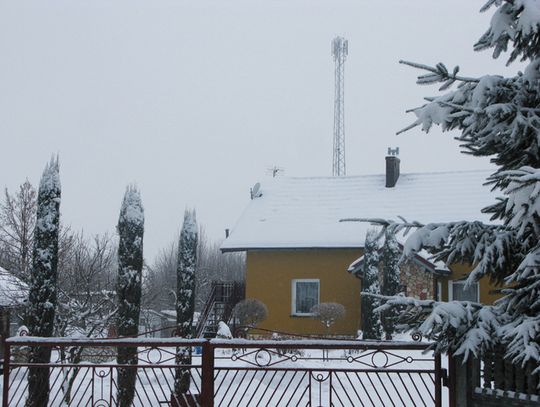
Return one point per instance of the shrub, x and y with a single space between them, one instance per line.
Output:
250 312
328 313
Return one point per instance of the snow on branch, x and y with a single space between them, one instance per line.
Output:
462 327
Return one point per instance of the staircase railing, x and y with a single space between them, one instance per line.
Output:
203 317
226 294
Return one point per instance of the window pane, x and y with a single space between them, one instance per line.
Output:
459 293
307 295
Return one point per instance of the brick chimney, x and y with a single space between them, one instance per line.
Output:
392 167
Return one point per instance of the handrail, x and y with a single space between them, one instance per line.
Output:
206 311
215 343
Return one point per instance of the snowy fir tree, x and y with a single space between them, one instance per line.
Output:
371 324
497 117
42 296
391 283
128 288
185 296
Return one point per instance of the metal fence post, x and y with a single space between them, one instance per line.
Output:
207 385
438 380
7 356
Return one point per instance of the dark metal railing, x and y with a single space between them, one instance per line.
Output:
224 295
500 373
231 372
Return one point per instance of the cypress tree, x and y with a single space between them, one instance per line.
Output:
185 296
42 295
391 280
130 262
371 324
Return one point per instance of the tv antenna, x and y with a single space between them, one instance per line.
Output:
275 171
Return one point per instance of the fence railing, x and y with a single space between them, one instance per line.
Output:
228 373
499 373
492 381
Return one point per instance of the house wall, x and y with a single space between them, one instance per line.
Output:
270 274
269 279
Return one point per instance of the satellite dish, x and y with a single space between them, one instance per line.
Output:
256 190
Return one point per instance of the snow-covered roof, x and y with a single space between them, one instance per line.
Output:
305 212
12 290
422 258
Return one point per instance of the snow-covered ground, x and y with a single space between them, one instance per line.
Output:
338 377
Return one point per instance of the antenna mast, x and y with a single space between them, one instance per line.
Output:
340 50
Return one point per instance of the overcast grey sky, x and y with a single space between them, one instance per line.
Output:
193 100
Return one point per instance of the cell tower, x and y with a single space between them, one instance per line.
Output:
340 50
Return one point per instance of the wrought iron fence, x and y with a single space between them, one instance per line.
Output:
230 373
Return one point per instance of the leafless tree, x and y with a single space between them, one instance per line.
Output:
86 302
212 266
215 266
86 299
17 223
160 280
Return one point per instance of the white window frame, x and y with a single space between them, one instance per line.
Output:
293 295
439 291
451 291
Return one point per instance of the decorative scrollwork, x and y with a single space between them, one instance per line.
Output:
154 356
320 376
101 403
416 336
102 372
263 357
379 359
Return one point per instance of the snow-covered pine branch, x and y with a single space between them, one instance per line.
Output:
497 117
466 327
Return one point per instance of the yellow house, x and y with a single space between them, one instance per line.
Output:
299 254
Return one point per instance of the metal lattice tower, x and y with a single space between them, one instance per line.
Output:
340 50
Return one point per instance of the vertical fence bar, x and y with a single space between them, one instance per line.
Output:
438 379
452 381
7 356
207 375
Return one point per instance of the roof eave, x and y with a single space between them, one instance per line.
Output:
273 248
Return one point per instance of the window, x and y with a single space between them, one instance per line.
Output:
305 294
458 292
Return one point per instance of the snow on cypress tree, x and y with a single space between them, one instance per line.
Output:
128 288
42 296
391 283
185 296
371 324
498 117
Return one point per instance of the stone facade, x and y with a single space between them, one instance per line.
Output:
418 282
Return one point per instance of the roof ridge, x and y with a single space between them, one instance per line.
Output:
382 174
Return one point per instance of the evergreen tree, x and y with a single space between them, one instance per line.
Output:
371 324
391 280
43 294
128 288
498 117
185 296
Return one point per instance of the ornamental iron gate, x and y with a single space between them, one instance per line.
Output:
229 373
